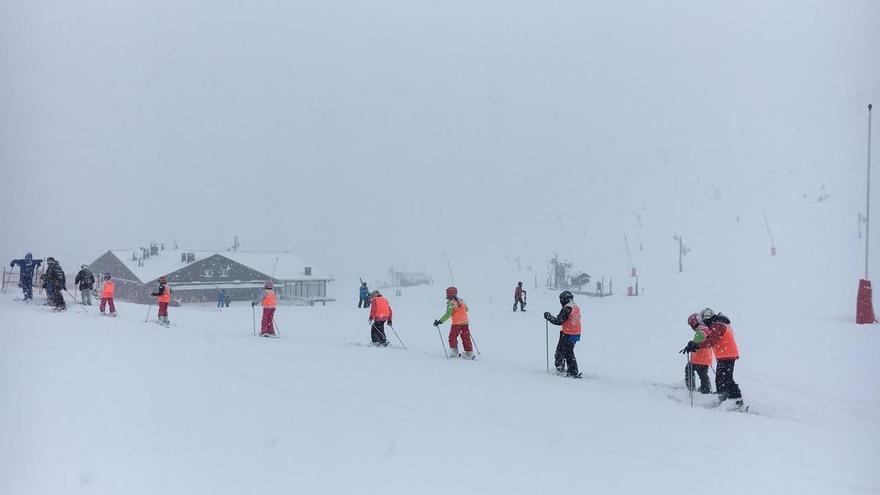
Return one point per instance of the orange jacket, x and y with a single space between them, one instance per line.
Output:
572 325
704 355
108 290
380 310
720 338
269 299
459 312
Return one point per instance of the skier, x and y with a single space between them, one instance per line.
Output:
519 297
107 292
26 269
719 337
458 311
269 302
86 282
569 318
364 296
221 298
700 360
55 278
380 313
163 297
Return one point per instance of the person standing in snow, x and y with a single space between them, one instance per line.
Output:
569 318
55 278
720 338
363 296
108 291
163 298
458 311
519 297
269 303
700 360
221 298
380 313
86 282
26 267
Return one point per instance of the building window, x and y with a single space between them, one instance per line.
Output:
224 271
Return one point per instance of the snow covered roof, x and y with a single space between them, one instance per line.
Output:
287 267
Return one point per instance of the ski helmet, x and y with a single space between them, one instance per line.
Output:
84 267
694 320
269 285
565 297
162 279
50 260
375 293
107 276
451 292
519 284
706 315
28 256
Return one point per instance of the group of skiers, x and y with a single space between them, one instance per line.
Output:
713 337
54 282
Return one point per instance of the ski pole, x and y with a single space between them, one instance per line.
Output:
274 324
254 318
442 345
149 307
474 341
75 301
690 378
547 344
398 337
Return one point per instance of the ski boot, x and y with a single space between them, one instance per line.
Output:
468 355
112 313
453 353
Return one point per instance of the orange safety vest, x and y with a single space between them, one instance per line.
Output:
108 290
460 313
380 310
705 355
726 347
165 297
572 326
269 299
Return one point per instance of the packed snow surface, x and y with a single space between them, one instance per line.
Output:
115 405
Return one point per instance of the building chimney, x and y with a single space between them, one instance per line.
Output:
183 257
308 271
190 257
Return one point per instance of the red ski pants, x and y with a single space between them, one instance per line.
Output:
465 333
105 301
267 325
163 309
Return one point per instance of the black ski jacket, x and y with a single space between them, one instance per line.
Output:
563 315
84 280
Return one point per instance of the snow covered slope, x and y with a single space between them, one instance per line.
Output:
101 405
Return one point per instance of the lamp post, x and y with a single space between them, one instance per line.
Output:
864 303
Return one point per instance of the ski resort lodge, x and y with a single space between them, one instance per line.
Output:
198 276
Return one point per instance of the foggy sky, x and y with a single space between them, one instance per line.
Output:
365 134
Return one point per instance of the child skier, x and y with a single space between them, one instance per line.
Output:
269 303
458 311
107 292
163 297
26 269
519 297
363 296
569 318
700 360
85 281
380 312
719 337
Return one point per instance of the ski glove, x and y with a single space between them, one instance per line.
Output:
154 294
547 315
437 323
690 347
253 303
390 324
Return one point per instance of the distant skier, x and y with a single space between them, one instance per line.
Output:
221 298
226 300
719 337
569 318
55 278
519 297
163 297
380 313
85 281
699 360
458 311
364 296
269 303
108 291
26 267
